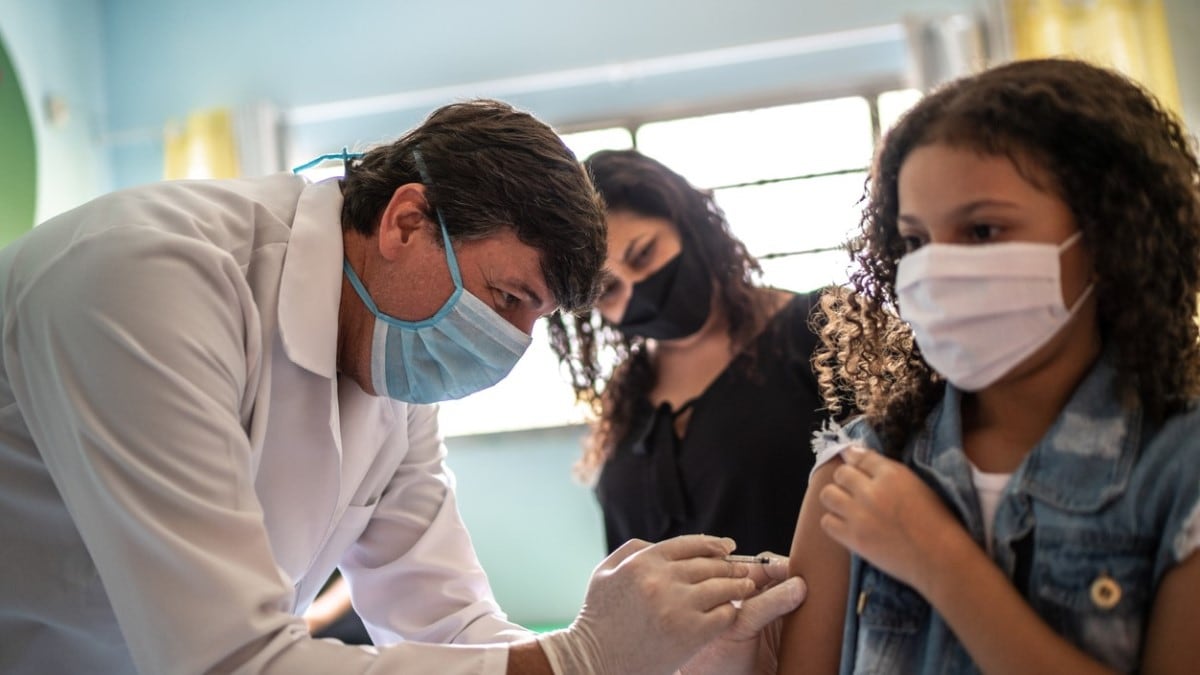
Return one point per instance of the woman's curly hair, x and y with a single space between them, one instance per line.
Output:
1127 171
609 371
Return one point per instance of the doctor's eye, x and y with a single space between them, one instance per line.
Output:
505 300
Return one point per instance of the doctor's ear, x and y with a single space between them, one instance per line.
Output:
405 214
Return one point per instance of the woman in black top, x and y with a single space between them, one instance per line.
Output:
700 379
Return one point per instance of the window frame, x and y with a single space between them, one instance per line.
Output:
632 124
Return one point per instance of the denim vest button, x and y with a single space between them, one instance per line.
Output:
1106 592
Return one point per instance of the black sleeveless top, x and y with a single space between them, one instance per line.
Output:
742 467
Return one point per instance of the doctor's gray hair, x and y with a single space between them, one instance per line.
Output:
490 167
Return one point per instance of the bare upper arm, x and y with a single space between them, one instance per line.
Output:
812 635
1171 645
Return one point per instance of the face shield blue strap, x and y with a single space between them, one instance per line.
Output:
345 155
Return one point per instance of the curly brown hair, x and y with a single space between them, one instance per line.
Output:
1127 171
609 371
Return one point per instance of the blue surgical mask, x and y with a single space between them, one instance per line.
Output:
464 348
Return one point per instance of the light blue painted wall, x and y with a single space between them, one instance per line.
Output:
538 533
57 48
168 57
127 66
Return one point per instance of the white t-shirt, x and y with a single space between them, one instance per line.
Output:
989 487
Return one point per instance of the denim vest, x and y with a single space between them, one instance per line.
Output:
1096 514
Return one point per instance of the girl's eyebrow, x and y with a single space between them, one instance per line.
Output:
963 210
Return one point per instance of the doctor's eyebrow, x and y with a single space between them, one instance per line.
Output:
534 298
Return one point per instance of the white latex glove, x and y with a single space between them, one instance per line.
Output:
751 644
649 607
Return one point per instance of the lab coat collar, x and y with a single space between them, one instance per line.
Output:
311 285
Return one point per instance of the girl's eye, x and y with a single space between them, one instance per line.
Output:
982 232
911 243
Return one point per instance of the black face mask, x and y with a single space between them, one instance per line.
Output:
673 302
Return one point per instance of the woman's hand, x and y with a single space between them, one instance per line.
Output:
879 509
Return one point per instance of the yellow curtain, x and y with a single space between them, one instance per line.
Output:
1128 35
202 147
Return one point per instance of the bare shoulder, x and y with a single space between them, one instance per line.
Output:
810 545
812 635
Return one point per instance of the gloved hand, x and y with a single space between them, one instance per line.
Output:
751 644
649 607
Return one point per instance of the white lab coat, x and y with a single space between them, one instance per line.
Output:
179 458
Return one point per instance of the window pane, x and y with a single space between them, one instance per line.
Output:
796 216
584 143
534 395
808 271
893 104
778 142
779 217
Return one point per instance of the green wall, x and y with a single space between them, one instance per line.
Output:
18 190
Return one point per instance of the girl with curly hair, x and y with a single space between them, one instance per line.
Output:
1022 491
700 379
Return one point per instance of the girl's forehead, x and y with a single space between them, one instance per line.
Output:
944 169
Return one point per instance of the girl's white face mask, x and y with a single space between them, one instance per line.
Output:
977 311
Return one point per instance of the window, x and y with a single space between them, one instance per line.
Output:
789 178
893 104
584 143
534 395
769 143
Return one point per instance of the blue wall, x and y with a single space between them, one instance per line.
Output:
165 58
57 49
125 67
538 534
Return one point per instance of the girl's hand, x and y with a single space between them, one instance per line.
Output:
879 509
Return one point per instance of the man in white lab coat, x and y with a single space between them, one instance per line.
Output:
213 393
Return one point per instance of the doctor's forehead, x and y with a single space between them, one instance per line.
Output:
560 267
